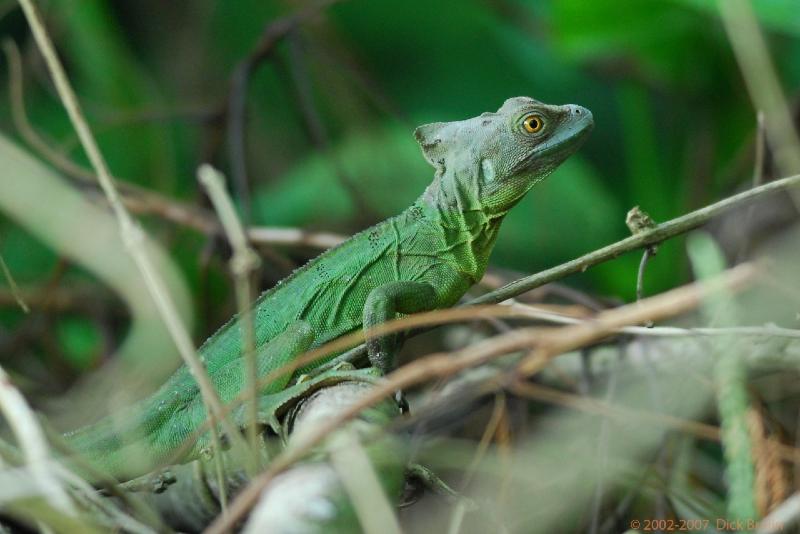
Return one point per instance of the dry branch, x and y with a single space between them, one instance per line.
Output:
244 262
662 232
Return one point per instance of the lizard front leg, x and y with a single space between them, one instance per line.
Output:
383 304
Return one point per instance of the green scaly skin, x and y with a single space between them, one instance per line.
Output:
425 258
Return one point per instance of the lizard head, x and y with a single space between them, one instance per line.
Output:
489 162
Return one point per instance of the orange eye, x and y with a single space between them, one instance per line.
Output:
532 123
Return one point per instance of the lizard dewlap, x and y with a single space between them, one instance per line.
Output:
422 259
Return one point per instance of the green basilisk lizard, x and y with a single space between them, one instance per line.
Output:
425 258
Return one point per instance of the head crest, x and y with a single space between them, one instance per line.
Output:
435 140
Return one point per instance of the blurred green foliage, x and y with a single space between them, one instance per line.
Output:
80 341
673 121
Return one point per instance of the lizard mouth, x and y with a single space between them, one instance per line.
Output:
569 137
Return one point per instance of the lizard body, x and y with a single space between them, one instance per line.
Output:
425 258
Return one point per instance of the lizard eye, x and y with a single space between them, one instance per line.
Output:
532 123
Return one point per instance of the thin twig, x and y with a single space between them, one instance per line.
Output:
646 255
81 296
638 221
664 305
293 236
663 231
132 235
16 92
760 150
492 281
236 102
669 331
244 263
12 284
608 409
549 344
758 178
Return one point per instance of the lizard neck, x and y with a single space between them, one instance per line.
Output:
468 234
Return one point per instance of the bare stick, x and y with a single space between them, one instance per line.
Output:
760 149
648 253
244 263
640 274
758 178
17 96
293 236
12 284
661 232
669 331
132 235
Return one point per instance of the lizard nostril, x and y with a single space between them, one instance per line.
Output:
576 111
